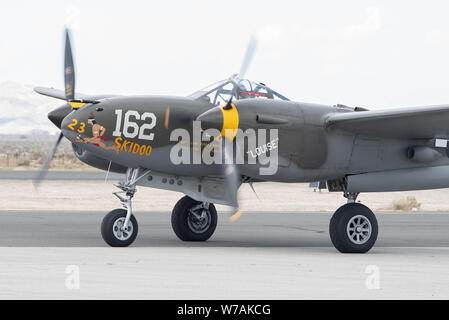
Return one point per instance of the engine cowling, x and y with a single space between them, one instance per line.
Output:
94 161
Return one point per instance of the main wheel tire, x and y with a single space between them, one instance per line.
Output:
193 224
353 228
110 229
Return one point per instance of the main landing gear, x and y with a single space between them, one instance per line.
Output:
353 227
191 220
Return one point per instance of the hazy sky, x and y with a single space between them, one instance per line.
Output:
360 53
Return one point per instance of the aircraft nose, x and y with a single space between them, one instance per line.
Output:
57 115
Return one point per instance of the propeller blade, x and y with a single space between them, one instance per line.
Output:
229 103
69 68
249 54
231 177
167 118
41 174
254 190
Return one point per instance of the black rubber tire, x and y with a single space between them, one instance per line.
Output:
179 222
339 221
107 232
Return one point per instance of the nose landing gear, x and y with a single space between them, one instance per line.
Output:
119 227
113 231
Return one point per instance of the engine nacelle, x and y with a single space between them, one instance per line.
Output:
94 161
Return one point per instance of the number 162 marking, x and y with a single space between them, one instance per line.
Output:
132 129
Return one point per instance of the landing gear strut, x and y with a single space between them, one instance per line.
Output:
351 196
119 227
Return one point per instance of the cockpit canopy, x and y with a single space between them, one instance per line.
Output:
220 92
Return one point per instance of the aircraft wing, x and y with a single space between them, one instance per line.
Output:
401 123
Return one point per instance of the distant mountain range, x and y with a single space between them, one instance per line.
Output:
22 111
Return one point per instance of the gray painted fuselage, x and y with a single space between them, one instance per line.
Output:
308 149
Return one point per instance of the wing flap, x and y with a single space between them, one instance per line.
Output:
401 123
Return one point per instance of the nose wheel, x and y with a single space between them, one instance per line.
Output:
119 227
114 231
193 220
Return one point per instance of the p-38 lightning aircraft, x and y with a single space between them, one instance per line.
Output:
149 139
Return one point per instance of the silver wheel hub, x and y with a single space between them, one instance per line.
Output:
359 229
198 219
121 233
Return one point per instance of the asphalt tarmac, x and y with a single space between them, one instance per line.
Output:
276 229
61 255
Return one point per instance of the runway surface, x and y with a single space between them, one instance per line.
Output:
60 255
271 252
273 229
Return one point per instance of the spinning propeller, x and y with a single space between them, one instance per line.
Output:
69 69
216 115
231 177
247 59
55 115
249 55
